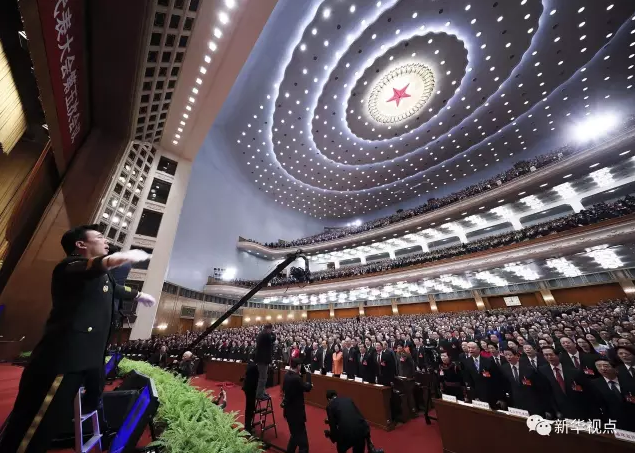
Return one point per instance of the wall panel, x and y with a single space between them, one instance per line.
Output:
446 306
319 314
588 295
382 310
414 309
346 312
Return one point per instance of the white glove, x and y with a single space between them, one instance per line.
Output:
132 256
146 299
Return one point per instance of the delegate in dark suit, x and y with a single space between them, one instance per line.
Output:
386 368
326 359
618 404
70 354
527 388
348 427
351 362
294 411
573 398
368 366
484 382
586 362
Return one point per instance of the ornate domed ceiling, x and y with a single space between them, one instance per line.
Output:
375 102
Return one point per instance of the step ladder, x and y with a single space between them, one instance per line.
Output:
80 446
264 407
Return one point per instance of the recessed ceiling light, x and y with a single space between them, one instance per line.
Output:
302 47
208 59
212 46
326 13
223 17
352 9
467 7
199 81
230 3
217 32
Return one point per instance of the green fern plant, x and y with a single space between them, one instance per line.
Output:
193 424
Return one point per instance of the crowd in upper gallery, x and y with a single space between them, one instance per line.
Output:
519 169
594 214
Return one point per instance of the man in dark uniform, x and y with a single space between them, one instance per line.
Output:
348 427
264 355
250 384
71 353
294 411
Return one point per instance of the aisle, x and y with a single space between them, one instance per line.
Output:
412 437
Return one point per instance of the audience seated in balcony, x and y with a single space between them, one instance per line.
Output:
519 169
594 214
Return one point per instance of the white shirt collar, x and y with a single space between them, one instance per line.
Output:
559 367
577 355
608 381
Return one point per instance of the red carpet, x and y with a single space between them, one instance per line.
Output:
412 437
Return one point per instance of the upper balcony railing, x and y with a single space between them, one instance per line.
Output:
577 165
610 232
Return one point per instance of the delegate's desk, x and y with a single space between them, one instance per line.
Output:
218 370
460 426
372 401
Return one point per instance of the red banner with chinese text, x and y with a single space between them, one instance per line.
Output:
63 29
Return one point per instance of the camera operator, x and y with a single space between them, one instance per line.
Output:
264 353
294 412
349 429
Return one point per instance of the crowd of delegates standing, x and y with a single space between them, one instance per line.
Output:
565 361
594 214
519 169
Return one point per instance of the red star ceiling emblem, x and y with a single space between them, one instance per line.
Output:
398 95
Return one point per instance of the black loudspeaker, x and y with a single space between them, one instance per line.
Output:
116 405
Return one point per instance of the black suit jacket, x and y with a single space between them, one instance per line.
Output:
347 424
626 376
264 347
502 360
250 382
531 392
368 366
577 401
540 360
620 408
351 362
484 383
326 360
387 368
294 388
587 363
77 330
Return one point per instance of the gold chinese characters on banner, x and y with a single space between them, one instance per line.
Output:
12 117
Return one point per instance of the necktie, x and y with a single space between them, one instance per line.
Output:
498 361
515 373
560 379
476 363
576 362
615 389
632 370
533 363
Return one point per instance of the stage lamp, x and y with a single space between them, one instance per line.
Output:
229 273
595 127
